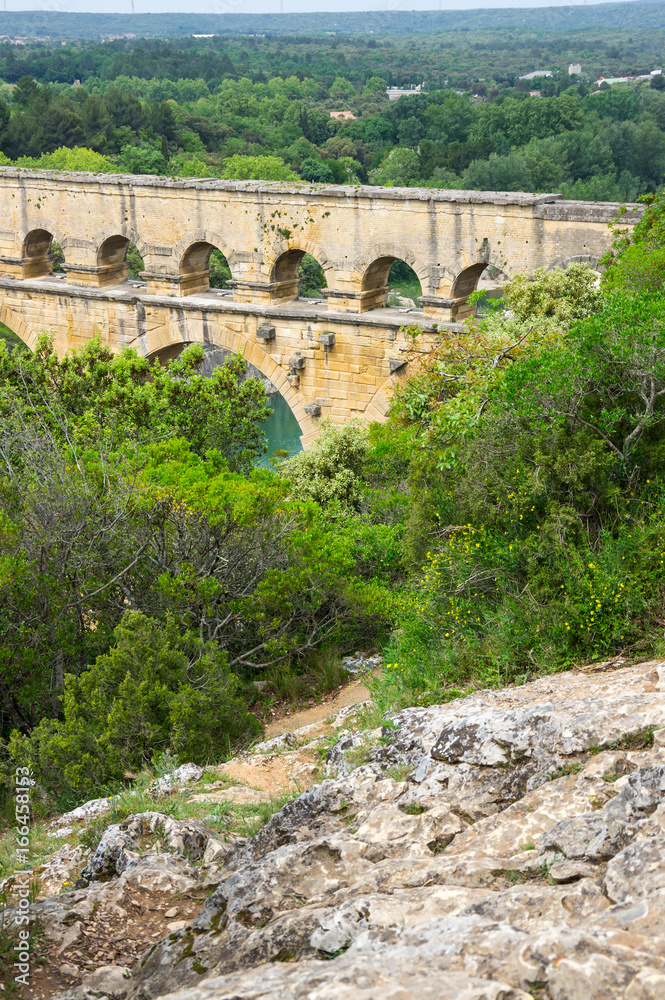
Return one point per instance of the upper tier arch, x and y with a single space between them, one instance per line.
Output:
210 236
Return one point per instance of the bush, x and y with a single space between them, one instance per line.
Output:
78 158
490 610
257 168
316 172
157 690
329 471
143 159
636 262
564 294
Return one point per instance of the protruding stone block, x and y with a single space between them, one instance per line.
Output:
439 309
293 379
265 333
313 410
357 301
327 339
296 362
396 364
269 293
101 276
26 267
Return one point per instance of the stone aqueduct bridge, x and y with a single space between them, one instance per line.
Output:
341 358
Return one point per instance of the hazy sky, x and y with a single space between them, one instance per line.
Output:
271 6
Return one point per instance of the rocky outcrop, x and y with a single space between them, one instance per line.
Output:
508 845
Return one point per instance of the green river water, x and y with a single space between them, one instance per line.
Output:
281 429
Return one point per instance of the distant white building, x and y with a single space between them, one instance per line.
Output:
628 79
575 69
394 93
536 72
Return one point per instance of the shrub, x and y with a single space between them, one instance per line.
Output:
329 471
565 294
541 504
257 168
316 171
156 690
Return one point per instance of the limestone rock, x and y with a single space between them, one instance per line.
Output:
339 760
599 837
638 871
570 871
510 862
579 837
120 841
111 980
281 983
186 774
543 733
95 807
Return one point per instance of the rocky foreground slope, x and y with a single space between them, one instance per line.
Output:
505 846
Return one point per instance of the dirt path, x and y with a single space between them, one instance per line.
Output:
350 694
293 767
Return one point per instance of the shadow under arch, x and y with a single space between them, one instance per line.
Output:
36 253
202 266
214 357
112 246
466 282
113 263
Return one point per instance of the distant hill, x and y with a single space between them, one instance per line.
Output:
52 24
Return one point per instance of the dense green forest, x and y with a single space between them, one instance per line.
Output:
55 24
461 57
261 108
506 521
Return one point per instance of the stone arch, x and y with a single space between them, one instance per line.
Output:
394 251
17 325
377 406
209 236
284 261
372 270
192 257
44 223
35 242
465 281
280 247
111 253
127 232
180 332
